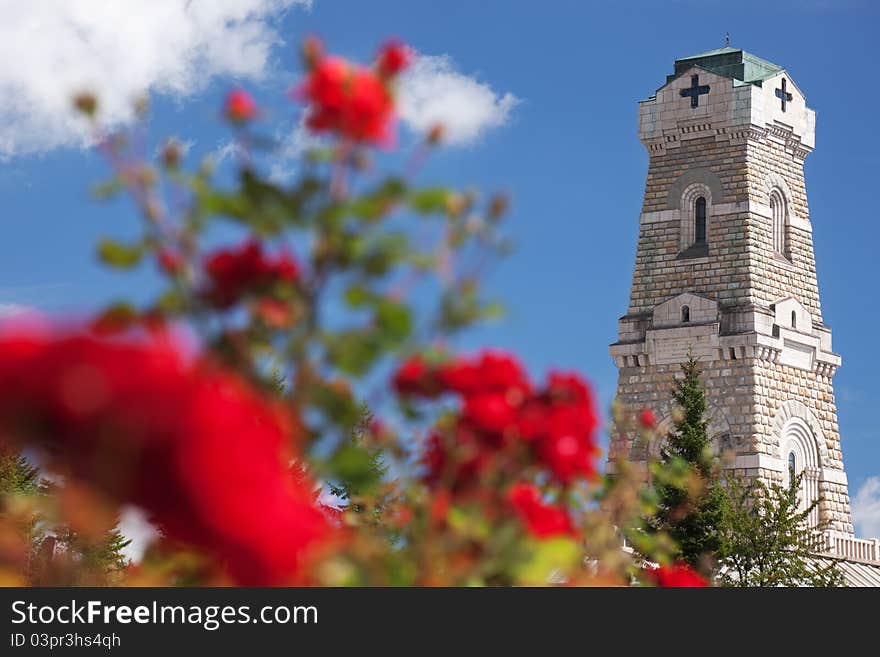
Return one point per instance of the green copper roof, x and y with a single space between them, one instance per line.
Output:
729 62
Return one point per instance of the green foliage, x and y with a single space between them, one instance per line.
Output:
357 468
17 476
67 558
766 538
58 556
690 504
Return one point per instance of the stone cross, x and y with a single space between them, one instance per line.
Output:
695 90
783 95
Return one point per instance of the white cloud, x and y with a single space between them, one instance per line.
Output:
292 144
433 92
866 509
134 526
227 150
50 50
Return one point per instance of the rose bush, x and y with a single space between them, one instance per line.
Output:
317 425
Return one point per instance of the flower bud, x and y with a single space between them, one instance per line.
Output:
240 106
312 51
86 103
435 134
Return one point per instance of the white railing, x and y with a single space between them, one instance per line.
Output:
846 546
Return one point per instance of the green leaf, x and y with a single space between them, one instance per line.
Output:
107 189
431 199
394 320
384 252
120 255
229 205
378 203
353 352
170 302
358 295
337 406
353 465
549 558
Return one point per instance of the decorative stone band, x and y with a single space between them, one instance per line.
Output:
845 546
670 345
721 209
736 134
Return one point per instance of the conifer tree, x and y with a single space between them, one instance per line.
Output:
57 556
766 538
17 476
690 507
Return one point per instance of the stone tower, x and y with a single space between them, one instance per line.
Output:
725 269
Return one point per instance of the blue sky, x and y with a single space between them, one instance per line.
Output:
557 86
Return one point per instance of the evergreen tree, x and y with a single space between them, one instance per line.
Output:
366 466
57 556
690 507
766 539
17 476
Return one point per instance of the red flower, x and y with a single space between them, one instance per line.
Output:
647 418
492 371
568 387
415 378
195 447
240 106
566 451
541 519
170 261
458 466
349 100
232 273
393 58
677 575
561 424
490 412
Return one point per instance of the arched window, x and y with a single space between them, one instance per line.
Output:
700 220
800 447
793 319
779 211
694 232
685 314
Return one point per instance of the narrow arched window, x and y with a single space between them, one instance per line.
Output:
779 212
793 319
700 220
685 314
792 468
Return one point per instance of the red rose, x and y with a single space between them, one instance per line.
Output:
457 464
415 377
393 58
567 455
233 273
240 106
677 575
170 261
647 418
542 520
490 412
349 100
492 371
194 446
568 387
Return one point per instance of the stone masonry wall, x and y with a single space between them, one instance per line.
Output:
748 393
658 275
772 277
776 384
